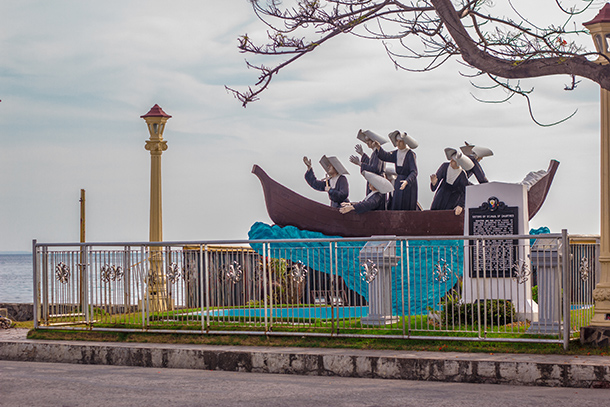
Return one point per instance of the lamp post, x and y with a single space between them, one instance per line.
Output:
599 28
155 120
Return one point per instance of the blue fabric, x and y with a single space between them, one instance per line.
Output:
424 258
543 230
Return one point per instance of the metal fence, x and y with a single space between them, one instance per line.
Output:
492 288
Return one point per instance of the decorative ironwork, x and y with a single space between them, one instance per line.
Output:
521 272
111 273
298 272
173 273
369 271
152 278
62 273
584 269
234 272
442 272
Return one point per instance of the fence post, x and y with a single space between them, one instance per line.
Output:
567 322
85 282
265 259
36 292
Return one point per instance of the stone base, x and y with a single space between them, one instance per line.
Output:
19 312
545 328
379 320
596 336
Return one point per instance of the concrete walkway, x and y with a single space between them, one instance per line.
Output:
512 369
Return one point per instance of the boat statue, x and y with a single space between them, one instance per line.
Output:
287 208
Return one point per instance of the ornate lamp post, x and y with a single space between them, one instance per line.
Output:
599 28
155 120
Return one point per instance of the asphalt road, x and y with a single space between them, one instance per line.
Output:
51 384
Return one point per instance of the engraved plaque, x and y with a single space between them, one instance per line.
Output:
493 258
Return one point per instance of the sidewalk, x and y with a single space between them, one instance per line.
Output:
512 369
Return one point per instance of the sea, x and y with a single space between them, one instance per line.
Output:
16 279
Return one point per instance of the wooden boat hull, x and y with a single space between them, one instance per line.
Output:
287 208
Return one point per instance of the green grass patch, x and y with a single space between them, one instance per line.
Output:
316 342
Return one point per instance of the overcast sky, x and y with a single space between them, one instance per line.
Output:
76 76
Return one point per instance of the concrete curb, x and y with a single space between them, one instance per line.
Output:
511 369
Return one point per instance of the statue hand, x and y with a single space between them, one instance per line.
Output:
433 179
359 149
355 160
403 184
458 210
307 162
346 208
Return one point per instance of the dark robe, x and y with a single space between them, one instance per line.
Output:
405 199
448 196
374 202
372 164
337 195
477 170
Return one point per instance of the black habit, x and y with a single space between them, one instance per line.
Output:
448 196
374 201
477 170
372 164
337 195
405 199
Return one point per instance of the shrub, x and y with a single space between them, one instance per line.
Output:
535 293
454 312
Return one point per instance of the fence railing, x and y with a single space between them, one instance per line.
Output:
493 288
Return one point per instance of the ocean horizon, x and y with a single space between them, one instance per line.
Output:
16 277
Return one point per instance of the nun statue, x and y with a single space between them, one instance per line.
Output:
335 183
405 185
372 164
374 200
476 154
450 182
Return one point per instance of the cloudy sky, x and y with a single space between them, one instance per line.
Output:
76 76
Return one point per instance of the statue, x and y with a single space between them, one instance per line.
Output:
405 185
450 182
335 183
375 200
372 164
476 154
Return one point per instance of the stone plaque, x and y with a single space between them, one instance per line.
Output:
493 258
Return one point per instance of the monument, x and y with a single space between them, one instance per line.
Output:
498 268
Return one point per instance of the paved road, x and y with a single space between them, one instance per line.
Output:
51 384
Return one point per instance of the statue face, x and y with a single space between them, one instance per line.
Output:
331 171
370 143
401 144
454 164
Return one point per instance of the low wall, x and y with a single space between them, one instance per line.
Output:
19 312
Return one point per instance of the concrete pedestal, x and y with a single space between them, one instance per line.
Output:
545 256
382 256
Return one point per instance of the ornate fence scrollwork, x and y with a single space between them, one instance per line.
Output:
62 272
234 272
298 272
173 273
583 269
369 271
111 273
442 272
521 272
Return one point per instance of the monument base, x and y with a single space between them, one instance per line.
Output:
542 328
379 320
595 336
